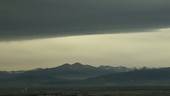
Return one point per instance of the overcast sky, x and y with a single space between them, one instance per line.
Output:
47 33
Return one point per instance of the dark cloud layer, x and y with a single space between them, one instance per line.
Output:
50 18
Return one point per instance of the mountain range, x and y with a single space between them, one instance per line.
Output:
78 74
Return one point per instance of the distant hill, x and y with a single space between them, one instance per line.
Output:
76 71
78 74
62 74
137 77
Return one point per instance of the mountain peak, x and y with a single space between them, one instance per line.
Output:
74 66
66 64
77 64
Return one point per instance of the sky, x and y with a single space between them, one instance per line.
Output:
47 33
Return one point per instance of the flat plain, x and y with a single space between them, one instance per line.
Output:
91 92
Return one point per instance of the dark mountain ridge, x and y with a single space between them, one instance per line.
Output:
64 73
78 74
74 71
137 77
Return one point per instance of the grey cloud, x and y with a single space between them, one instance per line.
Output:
51 18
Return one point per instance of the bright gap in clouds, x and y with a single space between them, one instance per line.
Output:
126 49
